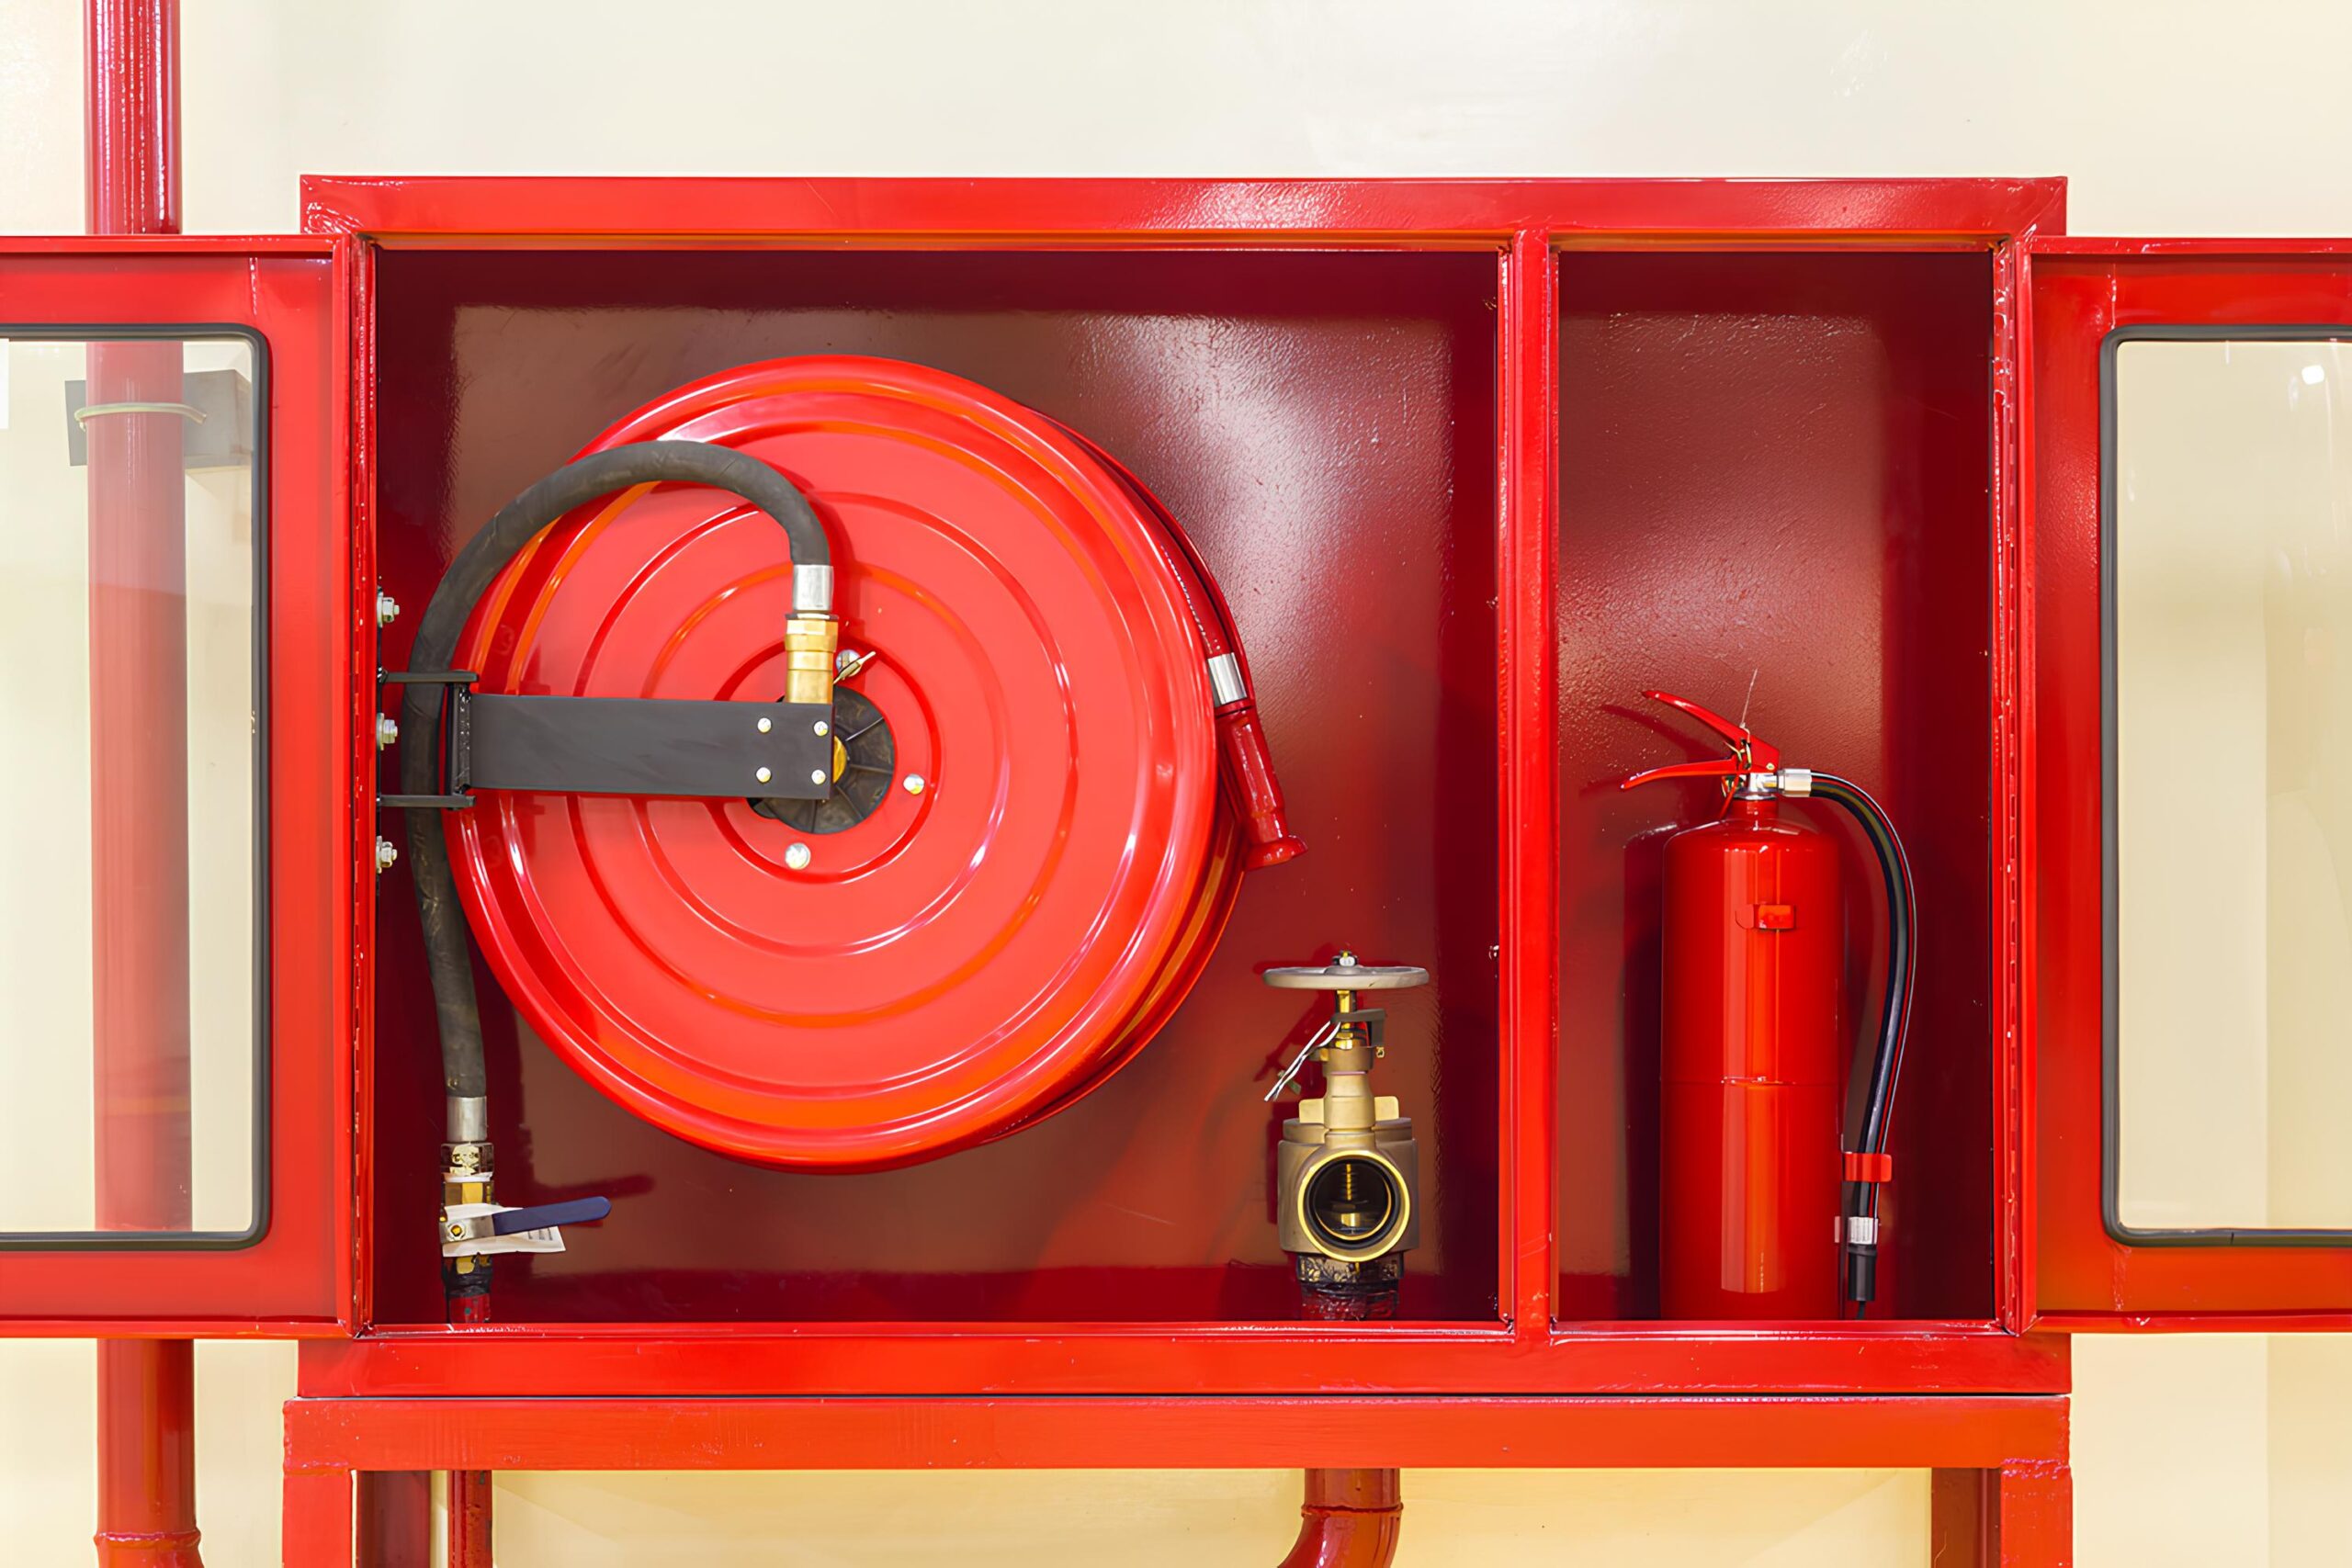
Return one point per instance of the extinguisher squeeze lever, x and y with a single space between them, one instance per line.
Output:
1753 767
1753 771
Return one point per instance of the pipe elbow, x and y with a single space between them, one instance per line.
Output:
1350 1518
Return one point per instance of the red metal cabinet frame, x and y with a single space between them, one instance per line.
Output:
398 1400
1524 225
395 1402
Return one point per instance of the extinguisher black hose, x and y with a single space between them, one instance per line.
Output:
477 566
1894 1016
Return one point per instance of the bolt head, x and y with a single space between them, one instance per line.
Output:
822 727
388 609
913 784
388 854
816 775
763 776
388 730
766 725
797 856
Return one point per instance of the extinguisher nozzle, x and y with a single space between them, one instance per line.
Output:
1862 1275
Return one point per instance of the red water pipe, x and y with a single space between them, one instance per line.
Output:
468 1529
139 791
146 1454
132 116
1350 1519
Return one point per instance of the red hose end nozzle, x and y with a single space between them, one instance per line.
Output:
1257 798
1263 853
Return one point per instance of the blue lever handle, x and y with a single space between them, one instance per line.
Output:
578 1211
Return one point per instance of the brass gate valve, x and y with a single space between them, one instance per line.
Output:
1346 1172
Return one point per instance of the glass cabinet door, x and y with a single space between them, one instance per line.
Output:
2191 651
171 521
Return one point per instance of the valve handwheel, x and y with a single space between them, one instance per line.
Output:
1026 856
1345 974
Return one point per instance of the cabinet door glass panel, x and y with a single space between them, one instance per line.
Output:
2230 553
129 1058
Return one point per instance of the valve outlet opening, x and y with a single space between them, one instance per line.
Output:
1353 1205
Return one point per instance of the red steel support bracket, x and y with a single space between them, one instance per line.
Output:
2001 1489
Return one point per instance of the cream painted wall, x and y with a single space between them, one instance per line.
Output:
2171 116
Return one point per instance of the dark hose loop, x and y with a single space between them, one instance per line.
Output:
477 566
1894 1013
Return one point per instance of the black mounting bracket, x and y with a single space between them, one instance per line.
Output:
634 746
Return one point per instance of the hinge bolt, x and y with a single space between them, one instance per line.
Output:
797 856
388 730
388 854
388 609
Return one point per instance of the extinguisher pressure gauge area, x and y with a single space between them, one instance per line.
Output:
1022 848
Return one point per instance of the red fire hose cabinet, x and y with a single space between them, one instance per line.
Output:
790 721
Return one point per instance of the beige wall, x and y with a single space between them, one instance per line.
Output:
2171 116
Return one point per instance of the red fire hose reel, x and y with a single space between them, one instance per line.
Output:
1023 855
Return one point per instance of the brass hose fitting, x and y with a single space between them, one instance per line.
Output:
810 644
466 1178
1346 1172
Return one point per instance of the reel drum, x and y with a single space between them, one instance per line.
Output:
1015 881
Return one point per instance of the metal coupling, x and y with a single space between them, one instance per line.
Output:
810 644
1857 1230
812 590
1225 685
468 1117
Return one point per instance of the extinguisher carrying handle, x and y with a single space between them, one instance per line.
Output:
1772 780
1728 768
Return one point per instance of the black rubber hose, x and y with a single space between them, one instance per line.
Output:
476 567
1894 1012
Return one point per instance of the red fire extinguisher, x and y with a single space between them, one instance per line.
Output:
1758 1204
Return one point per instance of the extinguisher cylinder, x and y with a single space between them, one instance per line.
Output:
1753 1064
